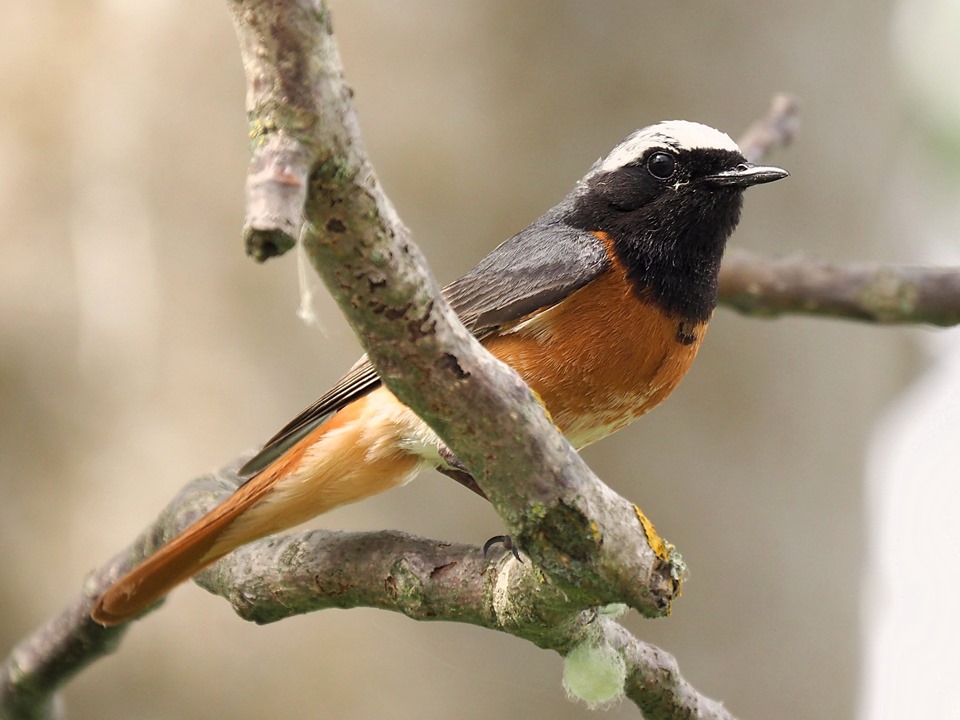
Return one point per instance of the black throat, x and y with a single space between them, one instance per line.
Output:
669 236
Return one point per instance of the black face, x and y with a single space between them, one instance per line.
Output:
669 222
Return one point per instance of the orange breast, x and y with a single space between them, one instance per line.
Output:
602 357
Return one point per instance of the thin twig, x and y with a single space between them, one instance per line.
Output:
776 130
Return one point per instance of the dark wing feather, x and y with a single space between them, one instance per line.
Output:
534 269
361 379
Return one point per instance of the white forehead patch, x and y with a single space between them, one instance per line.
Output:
676 134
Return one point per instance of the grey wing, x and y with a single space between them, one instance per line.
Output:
534 269
361 379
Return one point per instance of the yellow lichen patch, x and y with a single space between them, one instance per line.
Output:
666 552
595 532
543 405
656 543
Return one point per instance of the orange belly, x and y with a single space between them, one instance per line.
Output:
601 358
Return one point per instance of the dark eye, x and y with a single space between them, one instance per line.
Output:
662 165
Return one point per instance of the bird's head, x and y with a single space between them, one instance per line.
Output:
670 163
669 196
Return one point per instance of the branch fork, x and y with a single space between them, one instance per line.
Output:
310 181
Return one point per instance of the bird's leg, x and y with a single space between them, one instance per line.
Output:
455 469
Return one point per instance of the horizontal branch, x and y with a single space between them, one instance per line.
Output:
883 294
429 580
300 573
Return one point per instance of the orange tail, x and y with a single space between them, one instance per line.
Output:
180 559
354 454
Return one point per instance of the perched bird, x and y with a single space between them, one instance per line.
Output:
600 305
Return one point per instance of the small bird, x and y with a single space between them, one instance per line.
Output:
600 305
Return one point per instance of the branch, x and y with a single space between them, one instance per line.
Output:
49 657
577 530
774 131
287 55
595 546
428 580
288 575
883 294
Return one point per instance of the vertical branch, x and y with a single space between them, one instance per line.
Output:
477 405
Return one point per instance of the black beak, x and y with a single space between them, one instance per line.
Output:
747 174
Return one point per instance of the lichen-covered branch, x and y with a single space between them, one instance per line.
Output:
882 294
299 573
307 149
428 580
574 527
52 654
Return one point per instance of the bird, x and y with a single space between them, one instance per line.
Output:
600 305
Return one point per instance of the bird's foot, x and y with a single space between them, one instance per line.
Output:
507 543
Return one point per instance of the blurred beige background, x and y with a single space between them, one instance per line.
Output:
139 347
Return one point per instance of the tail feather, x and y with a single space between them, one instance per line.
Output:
201 544
180 559
354 454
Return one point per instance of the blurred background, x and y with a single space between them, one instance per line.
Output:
139 347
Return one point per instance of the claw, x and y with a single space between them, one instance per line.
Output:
507 543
